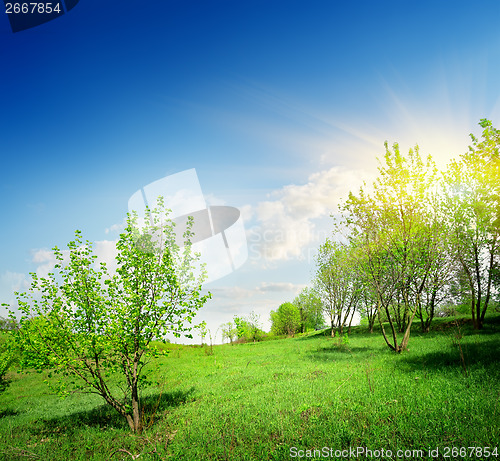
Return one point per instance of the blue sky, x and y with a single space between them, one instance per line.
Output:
282 108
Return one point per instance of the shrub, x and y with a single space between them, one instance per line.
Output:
6 360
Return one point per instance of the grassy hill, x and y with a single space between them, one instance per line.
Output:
269 400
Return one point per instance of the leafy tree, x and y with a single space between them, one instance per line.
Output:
311 310
436 289
254 326
7 324
94 329
229 331
7 353
395 229
472 190
496 283
336 283
367 305
242 327
285 320
248 328
202 327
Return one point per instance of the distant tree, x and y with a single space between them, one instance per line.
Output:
7 352
285 320
311 310
337 284
496 284
229 331
367 305
89 326
248 328
254 325
8 324
242 327
202 327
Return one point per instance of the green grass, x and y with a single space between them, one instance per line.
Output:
255 401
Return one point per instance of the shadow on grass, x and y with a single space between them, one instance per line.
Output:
486 354
315 335
335 352
8 412
4 384
105 416
356 332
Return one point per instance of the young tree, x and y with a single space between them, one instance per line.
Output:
472 190
7 352
336 283
496 284
254 326
311 310
242 328
89 325
248 328
285 320
395 229
368 306
202 327
437 285
229 331
7 324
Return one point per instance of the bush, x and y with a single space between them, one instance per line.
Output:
7 324
285 320
449 310
6 360
247 328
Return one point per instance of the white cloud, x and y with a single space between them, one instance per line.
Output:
231 293
236 292
116 227
106 252
247 212
212 200
46 260
42 255
228 301
280 287
289 222
9 283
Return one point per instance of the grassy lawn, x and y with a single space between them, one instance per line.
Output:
267 400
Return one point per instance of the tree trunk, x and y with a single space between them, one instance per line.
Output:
482 313
130 422
136 413
350 322
134 423
136 410
406 337
371 320
383 330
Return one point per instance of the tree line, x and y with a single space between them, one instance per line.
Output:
414 239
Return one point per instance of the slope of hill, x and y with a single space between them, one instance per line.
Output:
305 397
